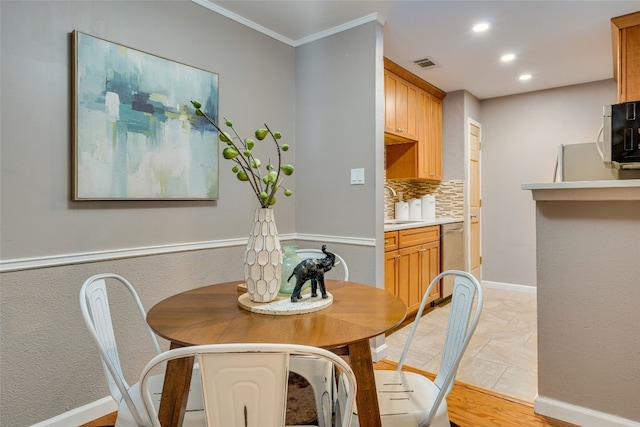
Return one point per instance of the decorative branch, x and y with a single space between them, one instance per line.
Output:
249 168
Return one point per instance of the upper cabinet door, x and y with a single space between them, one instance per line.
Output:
626 62
430 137
401 108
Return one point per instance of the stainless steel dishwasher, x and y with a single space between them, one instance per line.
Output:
451 248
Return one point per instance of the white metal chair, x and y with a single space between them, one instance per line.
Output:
409 399
94 304
317 253
246 384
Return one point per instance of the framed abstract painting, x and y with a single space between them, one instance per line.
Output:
136 135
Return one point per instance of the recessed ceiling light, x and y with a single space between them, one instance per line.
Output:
507 57
525 77
483 26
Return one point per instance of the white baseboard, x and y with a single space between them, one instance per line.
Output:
81 415
578 415
509 287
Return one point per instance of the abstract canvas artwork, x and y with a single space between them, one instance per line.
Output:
136 135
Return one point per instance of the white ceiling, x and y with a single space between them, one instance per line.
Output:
559 43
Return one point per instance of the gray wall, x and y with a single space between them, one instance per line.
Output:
588 294
336 127
457 107
520 139
336 76
46 356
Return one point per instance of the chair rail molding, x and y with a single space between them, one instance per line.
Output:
98 256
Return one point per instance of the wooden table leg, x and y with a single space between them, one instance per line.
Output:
175 391
367 396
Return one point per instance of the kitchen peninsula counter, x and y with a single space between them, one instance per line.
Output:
405 224
587 241
628 189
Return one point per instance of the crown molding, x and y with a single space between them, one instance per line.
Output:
244 21
294 43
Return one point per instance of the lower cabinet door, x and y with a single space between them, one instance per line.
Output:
409 277
429 268
408 272
391 272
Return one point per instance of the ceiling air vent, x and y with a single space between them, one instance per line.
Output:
426 63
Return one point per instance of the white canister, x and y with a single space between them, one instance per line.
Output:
415 209
428 207
402 210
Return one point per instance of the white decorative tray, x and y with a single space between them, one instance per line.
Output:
282 305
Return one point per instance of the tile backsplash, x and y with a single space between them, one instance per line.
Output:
449 195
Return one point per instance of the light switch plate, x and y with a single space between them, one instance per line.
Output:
357 176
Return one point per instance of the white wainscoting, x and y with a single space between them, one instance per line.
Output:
104 406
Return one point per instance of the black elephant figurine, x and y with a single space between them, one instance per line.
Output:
312 269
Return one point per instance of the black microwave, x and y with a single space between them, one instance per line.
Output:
621 129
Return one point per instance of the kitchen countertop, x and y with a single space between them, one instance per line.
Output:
405 224
612 190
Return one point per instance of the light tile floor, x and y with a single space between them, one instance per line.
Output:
502 355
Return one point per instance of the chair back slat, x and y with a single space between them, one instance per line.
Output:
246 384
95 308
244 389
462 299
98 302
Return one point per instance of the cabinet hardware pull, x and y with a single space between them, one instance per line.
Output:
423 250
473 216
397 256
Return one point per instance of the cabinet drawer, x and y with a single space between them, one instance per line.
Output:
418 236
390 241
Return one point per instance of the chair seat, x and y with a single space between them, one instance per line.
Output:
194 416
405 399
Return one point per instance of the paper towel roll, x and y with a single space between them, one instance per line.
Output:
428 207
402 210
415 208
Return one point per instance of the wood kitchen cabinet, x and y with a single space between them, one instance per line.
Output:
400 109
412 260
625 35
421 159
430 137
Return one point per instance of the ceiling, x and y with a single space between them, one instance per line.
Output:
559 43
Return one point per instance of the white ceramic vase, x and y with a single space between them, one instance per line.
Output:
263 258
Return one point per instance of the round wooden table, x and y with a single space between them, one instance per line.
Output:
211 315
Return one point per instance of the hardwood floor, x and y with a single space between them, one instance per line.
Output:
106 421
469 406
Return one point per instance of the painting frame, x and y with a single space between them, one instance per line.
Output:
135 133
